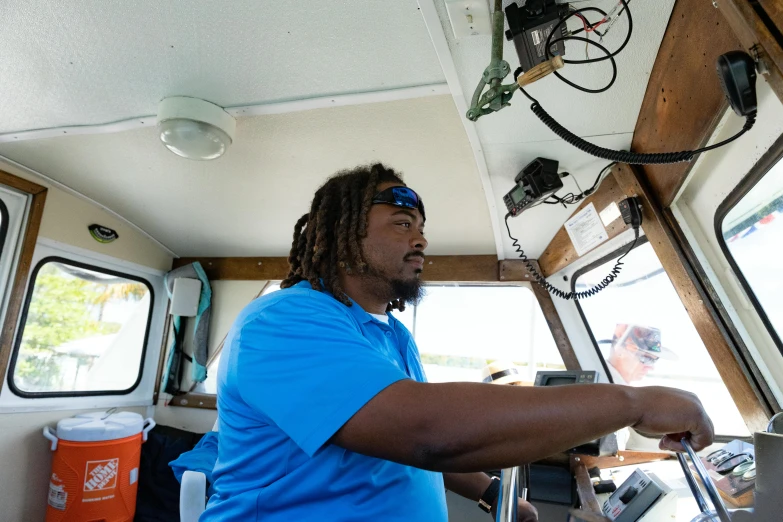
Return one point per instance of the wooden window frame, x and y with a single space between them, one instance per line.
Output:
18 288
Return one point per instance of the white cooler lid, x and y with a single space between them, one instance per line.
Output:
98 426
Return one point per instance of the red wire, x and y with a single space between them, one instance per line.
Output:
587 27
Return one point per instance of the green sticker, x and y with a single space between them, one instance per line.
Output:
102 234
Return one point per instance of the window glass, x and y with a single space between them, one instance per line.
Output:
84 330
460 329
752 230
624 318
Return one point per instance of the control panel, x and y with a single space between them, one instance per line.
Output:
559 378
635 497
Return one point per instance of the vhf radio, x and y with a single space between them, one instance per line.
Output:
538 180
531 25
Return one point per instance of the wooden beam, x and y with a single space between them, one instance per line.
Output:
515 270
239 268
19 285
436 268
560 252
758 26
195 400
624 458
683 102
736 377
774 10
584 488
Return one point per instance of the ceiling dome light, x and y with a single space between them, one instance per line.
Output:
195 129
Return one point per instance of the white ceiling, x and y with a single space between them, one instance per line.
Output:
97 61
94 62
246 202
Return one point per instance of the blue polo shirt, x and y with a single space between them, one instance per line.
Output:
296 366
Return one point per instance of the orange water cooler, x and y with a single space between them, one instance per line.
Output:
95 467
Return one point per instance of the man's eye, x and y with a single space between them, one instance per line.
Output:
405 224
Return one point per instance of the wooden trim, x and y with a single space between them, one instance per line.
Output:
195 400
560 252
756 36
624 458
584 487
436 268
736 377
21 184
514 270
683 102
774 10
19 286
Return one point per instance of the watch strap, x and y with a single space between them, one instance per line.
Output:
490 495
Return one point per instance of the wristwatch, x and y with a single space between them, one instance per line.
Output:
490 495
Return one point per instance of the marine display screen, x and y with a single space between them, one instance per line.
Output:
558 381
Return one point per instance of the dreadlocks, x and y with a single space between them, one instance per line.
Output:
329 237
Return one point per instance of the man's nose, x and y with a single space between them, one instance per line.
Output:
418 242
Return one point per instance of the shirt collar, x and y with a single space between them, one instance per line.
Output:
358 312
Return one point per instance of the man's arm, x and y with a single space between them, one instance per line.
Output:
467 427
468 485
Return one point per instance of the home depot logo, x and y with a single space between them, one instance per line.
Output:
101 474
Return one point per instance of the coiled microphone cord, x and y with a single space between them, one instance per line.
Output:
568 296
632 158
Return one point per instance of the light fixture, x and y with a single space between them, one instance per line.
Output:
194 128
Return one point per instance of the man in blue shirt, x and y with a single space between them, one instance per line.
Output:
325 412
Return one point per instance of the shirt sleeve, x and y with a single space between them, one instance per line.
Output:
305 364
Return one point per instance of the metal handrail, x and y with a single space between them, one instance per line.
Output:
717 502
509 492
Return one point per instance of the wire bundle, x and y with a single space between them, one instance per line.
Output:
587 29
573 199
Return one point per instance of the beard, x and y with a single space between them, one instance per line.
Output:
407 291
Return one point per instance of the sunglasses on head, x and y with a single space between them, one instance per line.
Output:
400 197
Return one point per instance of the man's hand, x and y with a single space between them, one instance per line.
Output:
674 414
525 512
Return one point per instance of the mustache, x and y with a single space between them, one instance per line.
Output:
414 254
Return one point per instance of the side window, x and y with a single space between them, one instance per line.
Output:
750 232
459 329
83 331
645 337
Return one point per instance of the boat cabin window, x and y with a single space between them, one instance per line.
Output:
460 328
83 331
751 232
645 337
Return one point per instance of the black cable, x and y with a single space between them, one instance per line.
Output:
571 198
609 55
632 158
568 296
